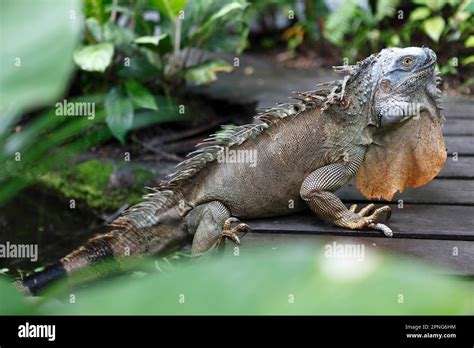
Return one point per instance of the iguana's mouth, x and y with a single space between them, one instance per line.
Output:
425 67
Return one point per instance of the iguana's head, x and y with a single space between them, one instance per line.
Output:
401 79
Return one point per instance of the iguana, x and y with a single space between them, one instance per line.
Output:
380 123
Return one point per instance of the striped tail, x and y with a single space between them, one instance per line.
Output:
131 241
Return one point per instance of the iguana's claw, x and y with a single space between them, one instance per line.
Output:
230 232
231 235
366 218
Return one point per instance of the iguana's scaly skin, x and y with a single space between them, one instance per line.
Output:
305 152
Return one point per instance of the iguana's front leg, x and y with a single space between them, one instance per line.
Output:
211 224
317 190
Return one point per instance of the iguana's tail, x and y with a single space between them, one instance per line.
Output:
161 238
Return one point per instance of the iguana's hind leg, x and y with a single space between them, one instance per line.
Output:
211 224
317 190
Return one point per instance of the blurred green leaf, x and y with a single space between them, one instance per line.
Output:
219 25
386 8
434 27
294 279
170 8
12 303
159 43
119 111
94 57
338 22
94 27
468 60
153 40
95 8
168 110
140 69
469 7
37 39
419 13
120 36
140 95
434 5
224 11
469 41
206 72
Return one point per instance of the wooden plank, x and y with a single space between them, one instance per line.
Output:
459 107
462 168
445 191
458 126
463 145
457 257
413 221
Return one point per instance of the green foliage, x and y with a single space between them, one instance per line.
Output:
33 69
94 57
293 279
170 8
119 110
132 75
206 72
39 80
437 24
89 182
122 52
12 303
205 21
140 95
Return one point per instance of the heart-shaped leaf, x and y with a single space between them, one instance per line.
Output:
434 27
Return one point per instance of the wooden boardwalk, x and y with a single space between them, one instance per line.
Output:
436 222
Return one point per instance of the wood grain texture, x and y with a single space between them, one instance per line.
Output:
462 168
458 126
463 144
446 191
413 221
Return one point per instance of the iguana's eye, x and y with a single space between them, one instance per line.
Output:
407 61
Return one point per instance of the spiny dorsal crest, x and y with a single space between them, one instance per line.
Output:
323 96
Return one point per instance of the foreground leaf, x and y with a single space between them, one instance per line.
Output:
35 51
290 279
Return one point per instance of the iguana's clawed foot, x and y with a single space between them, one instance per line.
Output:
366 218
231 232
